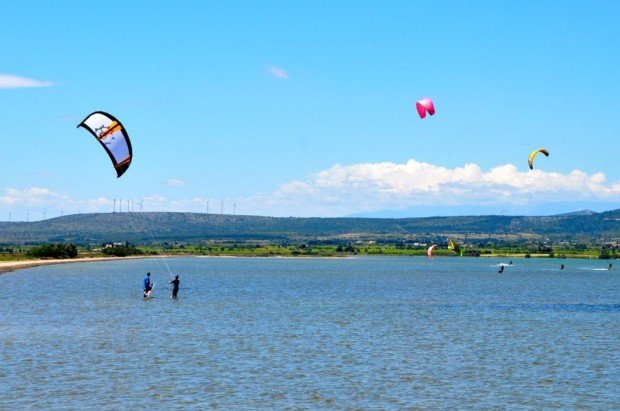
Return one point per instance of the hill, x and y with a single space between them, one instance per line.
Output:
150 227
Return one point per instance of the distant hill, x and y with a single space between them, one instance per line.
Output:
149 227
574 213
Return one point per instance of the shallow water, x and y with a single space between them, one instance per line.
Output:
387 333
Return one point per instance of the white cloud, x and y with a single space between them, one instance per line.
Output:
342 190
362 188
38 199
176 182
34 196
9 81
278 72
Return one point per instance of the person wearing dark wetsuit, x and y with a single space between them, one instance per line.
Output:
501 269
147 284
561 266
175 286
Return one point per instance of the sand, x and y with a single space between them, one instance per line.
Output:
6 266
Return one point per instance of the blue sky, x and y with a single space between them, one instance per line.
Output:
306 108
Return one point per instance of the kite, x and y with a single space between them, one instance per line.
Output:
530 159
430 250
113 138
425 106
454 246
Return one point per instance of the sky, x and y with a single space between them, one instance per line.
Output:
308 108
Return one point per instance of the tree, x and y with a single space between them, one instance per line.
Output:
54 251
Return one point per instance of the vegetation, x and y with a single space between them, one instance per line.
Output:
266 249
609 252
122 250
150 228
53 251
589 235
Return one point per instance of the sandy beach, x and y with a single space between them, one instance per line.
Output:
7 266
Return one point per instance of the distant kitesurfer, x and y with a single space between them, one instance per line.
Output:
561 266
175 286
609 268
148 286
510 263
501 269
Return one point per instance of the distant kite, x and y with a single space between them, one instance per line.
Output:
530 159
425 106
430 250
113 138
454 246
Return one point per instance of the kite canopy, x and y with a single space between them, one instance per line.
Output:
533 154
113 138
454 246
425 106
430 250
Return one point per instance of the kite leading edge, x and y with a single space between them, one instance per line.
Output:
113 138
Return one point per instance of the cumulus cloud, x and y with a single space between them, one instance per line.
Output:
176 182
34 196
342 190
39 199
9 81
366 188
278 72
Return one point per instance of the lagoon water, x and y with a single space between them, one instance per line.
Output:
274 333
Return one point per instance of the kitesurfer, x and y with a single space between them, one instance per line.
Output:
175 286
510 263
561 266
501 269
609 268
147 284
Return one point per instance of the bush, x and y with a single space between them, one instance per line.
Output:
471 253
122 251
604 254
54 251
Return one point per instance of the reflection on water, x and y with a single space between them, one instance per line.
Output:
311 333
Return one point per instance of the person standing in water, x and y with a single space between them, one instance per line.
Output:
147 286
175 286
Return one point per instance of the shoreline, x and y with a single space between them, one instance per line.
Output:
9 266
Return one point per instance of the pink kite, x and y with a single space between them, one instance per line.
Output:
430 250
425 105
